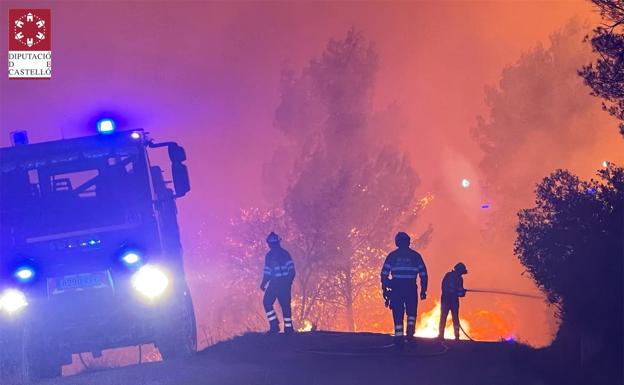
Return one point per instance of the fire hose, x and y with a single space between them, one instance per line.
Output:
386 296
504 292
466 334
373 350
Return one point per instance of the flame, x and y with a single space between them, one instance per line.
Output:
427 325
307 326
490 326
425 201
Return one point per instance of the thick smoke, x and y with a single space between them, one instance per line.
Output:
541 118
345 192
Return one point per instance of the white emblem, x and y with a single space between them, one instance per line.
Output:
34 37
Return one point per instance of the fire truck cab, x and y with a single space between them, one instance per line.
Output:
90 251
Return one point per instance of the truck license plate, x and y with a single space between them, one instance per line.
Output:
79 282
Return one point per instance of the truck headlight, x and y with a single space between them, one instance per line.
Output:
150 281
12 301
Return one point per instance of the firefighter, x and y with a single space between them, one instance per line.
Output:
279 273
401 292
452 289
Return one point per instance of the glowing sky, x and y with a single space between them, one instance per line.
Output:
207 75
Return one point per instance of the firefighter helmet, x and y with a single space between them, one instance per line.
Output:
402 239
273 238
460 268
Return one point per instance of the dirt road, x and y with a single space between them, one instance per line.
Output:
327 359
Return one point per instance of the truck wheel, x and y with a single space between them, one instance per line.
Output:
38 360
179 339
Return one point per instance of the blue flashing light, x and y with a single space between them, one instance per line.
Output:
25 274
591 191
131 258
485 206
19 138
106 126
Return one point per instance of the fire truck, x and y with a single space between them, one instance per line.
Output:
90 251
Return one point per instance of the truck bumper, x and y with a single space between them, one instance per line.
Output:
95 320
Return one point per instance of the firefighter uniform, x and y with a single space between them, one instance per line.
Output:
452 289
404 265
279 273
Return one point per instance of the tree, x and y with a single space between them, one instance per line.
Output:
605 76
349 188
572 245
341 188
349 216
538 115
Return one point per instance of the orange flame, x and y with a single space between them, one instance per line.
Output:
307 326
427 325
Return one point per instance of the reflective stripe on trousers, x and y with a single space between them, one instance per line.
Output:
271 315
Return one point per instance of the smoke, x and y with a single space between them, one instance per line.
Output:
541 117
346 191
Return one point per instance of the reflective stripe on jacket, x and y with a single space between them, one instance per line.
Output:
404 263
278 264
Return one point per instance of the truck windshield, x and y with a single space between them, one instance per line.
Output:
72 192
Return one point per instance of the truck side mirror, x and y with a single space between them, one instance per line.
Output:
179 172
181 180
176 153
